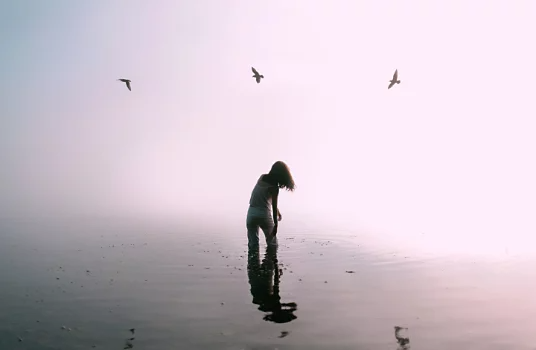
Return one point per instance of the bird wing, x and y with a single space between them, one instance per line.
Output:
254 71
392 83
128 85
395 76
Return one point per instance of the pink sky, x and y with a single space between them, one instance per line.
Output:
449 151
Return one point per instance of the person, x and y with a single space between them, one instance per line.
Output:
263 209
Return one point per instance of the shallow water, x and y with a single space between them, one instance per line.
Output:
85 284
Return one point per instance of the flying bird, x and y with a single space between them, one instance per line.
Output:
257 76
403 341
127 82
395 80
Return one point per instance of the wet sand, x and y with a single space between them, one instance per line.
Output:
117 285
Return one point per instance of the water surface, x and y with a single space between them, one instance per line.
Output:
85 284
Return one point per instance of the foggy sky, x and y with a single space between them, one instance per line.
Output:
450 149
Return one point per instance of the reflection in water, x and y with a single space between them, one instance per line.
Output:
128 342
265 286
402 341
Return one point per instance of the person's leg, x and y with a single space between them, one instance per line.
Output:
267 226
252 225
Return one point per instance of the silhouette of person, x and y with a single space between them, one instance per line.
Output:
263 209
264 279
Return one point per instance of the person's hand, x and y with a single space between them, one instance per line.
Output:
279 217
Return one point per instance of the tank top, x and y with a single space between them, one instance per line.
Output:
260 203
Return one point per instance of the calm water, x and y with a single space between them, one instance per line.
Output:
85 284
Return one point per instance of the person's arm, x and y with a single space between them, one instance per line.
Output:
275 210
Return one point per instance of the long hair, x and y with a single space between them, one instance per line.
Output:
281 173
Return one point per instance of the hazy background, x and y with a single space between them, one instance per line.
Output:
446 154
